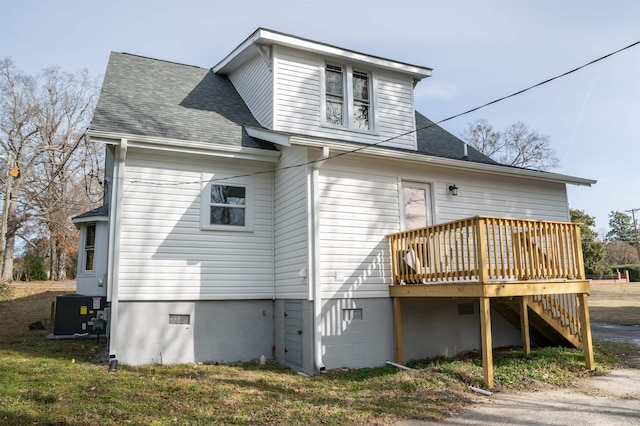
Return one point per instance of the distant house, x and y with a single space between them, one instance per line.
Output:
250 210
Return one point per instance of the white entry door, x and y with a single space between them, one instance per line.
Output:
416 206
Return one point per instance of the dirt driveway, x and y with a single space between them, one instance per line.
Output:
604 400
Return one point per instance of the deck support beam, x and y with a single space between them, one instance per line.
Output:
585 328
524 325
397 325
487 346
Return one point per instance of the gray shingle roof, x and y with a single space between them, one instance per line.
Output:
434 140
101 211
150 97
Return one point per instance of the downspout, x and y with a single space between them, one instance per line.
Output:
113 267
315 261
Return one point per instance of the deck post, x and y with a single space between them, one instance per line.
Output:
481 247
524 325
585 328
487 349
397 325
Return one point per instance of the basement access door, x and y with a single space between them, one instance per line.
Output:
293 332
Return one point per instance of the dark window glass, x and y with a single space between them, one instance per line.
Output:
228 205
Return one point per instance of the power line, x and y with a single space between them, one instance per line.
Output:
362 148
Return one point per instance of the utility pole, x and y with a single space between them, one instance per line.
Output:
635 228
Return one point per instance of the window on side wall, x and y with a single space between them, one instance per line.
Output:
347 96
89 246
227 206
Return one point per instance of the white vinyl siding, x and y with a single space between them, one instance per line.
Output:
254 82
291 225
299 108
394 110
360 205
358 208
496 196
163 253
297 88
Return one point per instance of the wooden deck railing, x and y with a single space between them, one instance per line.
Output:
486 249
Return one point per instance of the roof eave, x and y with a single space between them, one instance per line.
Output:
185 146
269 37
495 169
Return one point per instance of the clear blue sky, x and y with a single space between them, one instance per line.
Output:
479 50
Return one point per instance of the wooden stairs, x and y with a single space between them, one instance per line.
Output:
553 319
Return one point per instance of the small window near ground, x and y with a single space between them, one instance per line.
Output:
89 246
178 319
227 206
352 314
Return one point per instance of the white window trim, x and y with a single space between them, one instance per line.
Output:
348 98
205 211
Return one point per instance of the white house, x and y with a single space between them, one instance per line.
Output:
248 208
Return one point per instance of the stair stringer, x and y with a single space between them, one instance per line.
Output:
544 323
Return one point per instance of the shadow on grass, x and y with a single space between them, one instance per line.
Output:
8 418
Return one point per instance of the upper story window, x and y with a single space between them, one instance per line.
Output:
89 246
347 97
227 206
360 100
335 95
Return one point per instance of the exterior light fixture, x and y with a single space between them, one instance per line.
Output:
453 189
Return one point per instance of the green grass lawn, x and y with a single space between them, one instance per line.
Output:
48 382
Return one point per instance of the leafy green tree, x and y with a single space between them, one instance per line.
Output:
621 227
592 250
33 267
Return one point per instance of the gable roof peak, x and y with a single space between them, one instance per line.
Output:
159 60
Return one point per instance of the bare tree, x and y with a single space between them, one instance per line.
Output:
42 120
517 146
620 253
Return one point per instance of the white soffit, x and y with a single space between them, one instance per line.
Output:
269 136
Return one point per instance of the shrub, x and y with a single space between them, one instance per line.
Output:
5 291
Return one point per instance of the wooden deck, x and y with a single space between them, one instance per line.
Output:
536 262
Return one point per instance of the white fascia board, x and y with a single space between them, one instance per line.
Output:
90 219
187 147
269 136
270 37
442 162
